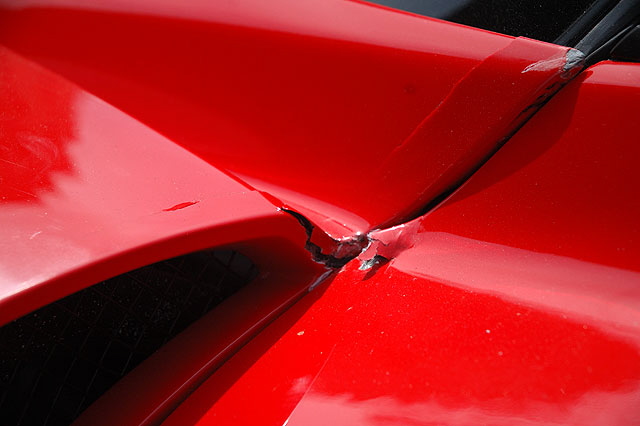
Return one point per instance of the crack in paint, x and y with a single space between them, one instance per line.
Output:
180 206
342 251
380 246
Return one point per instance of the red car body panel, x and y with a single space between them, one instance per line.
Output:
491 309
83 203
357 123
90 193
133 133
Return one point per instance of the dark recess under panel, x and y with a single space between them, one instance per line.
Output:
59 359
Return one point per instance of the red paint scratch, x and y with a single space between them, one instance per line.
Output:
180 206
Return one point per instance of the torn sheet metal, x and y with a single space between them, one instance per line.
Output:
481 111
478 115
568 61
324 249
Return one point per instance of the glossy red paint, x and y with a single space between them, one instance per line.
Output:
567 183
516 301
89 193
355 115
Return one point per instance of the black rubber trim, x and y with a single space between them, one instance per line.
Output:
628 48
612 27
585 23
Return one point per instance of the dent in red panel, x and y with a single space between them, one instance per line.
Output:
516 301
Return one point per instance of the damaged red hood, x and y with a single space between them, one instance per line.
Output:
354 130
349 151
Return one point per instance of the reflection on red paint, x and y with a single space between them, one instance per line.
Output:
36 128
397 347
427 341
463 357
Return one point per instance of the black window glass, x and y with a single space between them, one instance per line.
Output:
544 20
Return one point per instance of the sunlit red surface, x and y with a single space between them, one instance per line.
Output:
131 133
517 301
